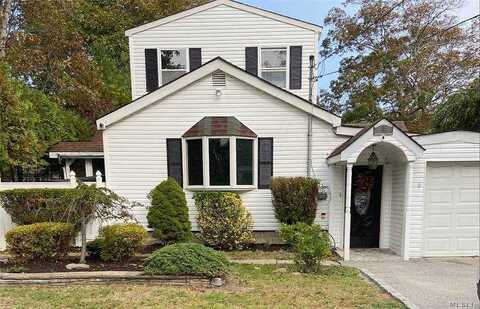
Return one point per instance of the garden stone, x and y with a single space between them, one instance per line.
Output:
74 266
217 282
296 274
280 270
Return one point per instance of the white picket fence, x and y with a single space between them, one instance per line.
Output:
6 221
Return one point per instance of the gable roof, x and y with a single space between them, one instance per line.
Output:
352 139
230 3
219 126
206 69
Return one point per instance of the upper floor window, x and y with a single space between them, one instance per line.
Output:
273 66
173 64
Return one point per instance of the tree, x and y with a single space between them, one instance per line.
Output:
93 203
461 111
30 123
402 58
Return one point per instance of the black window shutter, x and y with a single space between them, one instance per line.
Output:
265 162
295 67
174 160
251 60
195 58
151 69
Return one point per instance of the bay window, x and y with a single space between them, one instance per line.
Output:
220 162
273 65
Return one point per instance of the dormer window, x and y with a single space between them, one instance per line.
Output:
173 64
273 65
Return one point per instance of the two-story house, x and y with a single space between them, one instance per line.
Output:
222 101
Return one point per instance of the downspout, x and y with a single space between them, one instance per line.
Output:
309 129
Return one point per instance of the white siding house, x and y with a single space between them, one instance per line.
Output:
224 77
241 64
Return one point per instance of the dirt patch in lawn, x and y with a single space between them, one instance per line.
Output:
135 264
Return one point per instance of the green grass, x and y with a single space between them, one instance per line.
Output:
249 287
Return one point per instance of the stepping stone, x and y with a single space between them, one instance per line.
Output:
74 266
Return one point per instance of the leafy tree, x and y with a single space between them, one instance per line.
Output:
461 111
92 202
30 123
402 58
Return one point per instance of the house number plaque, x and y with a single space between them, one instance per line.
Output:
383 130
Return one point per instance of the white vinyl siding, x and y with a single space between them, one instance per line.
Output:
220 31
135 147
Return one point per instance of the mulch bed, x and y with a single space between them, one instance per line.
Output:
135 264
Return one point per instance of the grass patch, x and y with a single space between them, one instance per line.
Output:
249 287
260 254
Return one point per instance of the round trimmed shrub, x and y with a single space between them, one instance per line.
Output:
168 213
187 259
295 199
40 241
310 243
224 221
119 242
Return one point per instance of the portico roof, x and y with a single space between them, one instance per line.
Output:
382 131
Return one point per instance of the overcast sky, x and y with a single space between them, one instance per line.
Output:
315 10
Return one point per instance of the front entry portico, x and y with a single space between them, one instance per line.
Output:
386 155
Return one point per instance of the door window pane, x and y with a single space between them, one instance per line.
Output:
244 162
195 162
219 159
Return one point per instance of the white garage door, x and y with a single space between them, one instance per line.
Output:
452 209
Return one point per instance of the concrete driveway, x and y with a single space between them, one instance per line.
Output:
429 282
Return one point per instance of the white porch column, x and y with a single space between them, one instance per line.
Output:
88 168
347 221
406 210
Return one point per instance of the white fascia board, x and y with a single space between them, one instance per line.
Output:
449 137
233 4
334 160
216 64
398 138
54 155
347 131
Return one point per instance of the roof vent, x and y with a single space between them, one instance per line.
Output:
218 79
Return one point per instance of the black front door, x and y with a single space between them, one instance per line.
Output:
365 209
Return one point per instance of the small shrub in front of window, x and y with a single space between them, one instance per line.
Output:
310 243
187 259
47 241
294 199
168 213
120 241
224 221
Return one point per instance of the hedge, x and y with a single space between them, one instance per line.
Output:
224 221
28 206
295 199
119 242
187 259
40 241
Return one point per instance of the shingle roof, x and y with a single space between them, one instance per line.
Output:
93 145
219 126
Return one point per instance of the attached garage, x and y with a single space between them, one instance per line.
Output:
452 209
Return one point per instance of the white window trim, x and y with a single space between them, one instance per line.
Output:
159 61
287 65
206 165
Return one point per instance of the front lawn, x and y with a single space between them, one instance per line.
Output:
249 287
